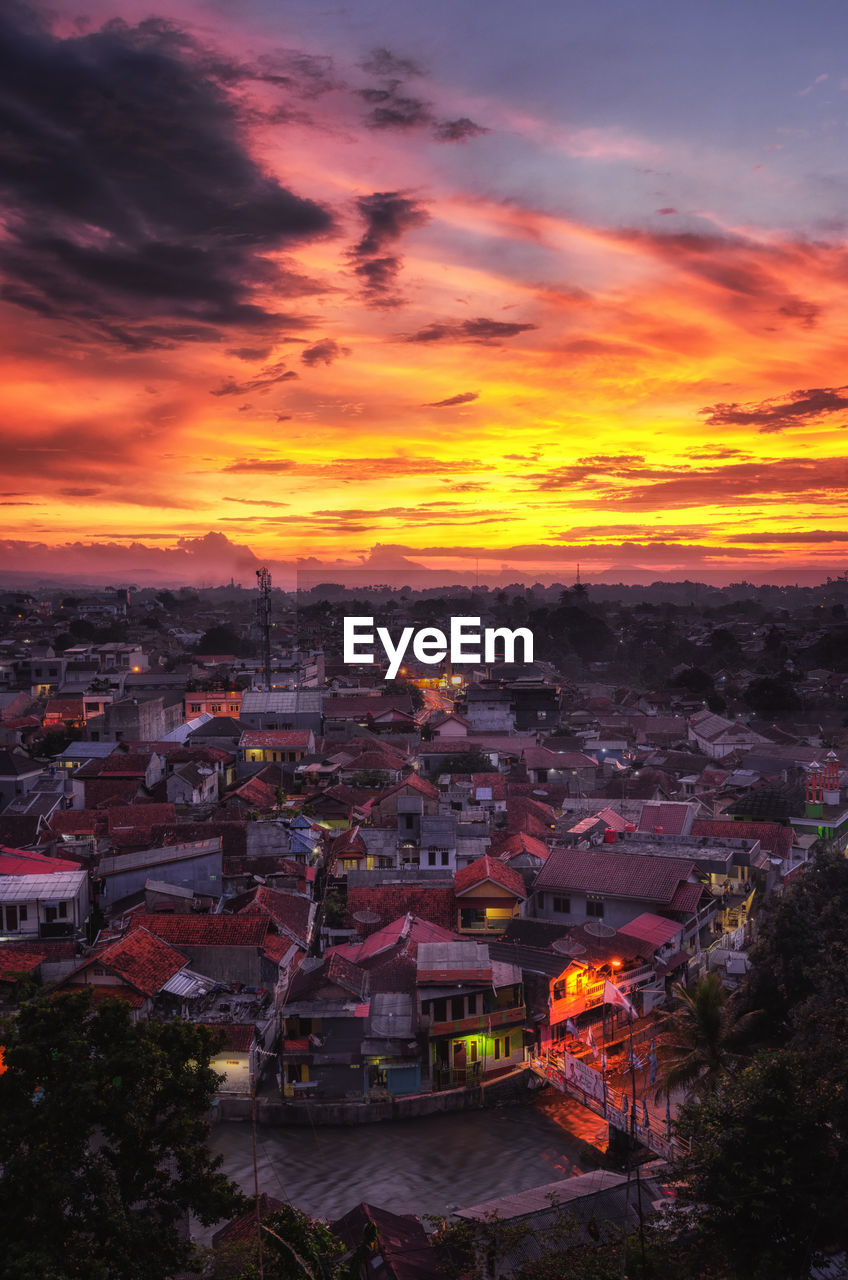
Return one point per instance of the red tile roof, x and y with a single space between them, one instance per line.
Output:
415 783
651 928
238 1036
73 822
276 946
17 862
672 816
489 869
438 905
100 792
16 962
773 838
544 758
256 793
289 911
687 897
288 739
348 976
243 1228
206 931
649 877
516 845
99 993
139 815
141 959
496 781
373 760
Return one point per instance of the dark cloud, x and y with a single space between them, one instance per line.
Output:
350 470
266 466
250 353
667 210
790 536
119 189
268 378
650 552
457 130
399 112
382 62
394 107
783 480
464 397
323 352
481 330
388 215
791 410
257 502
797 309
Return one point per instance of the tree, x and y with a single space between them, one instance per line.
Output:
695 681
766 1174
103 1142
294 1247
222 639
697 1041
771 695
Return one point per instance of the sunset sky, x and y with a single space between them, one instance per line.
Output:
458 283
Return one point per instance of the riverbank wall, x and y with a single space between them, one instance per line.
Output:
513 1089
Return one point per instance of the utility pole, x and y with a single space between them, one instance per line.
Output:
263 618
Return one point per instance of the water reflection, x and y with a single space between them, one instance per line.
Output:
415 1166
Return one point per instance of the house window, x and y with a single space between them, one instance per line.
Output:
195 708
431 858
506 1046
559 990
595 907
497 1053
457 1007
445 857
408 821
440 1010
563 905
12 919
22 914
472 1051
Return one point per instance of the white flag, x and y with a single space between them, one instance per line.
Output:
612 995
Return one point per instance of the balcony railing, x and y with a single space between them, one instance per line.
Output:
478 1024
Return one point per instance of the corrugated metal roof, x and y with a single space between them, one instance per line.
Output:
293 701
154 857
57 887
187 984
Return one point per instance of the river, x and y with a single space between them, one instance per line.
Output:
424 1166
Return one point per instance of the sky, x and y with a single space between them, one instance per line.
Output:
476 287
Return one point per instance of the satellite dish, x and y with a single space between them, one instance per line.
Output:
599 930
565 947
366 916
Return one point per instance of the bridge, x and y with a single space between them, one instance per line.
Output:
580 1081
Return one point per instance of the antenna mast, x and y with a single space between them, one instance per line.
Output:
263 618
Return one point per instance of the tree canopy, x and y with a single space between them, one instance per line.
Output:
103 1142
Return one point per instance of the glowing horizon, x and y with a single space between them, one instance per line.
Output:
322 285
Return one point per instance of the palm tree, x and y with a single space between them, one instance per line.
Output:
699 1039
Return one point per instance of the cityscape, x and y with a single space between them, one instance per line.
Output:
423 641
567 891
